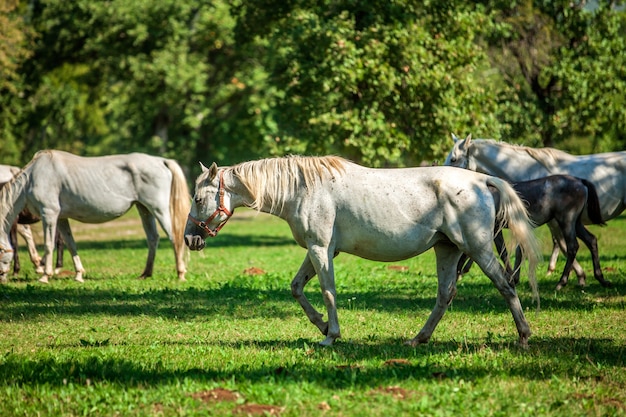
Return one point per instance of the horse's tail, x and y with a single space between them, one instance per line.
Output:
593 203
180 204
512 213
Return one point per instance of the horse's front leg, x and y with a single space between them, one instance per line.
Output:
148 222
25 231
447 260
49 226
322 261
66 235
304 275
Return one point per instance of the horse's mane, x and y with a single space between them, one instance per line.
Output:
13 189
548 157
272 181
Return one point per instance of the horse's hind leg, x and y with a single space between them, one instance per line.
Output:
448 257
571 249
558 239
66 234
592 243
152 234
492 268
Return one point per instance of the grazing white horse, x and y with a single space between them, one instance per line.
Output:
58 186
333 205
6 174
607 171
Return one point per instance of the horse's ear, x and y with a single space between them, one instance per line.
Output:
468 140
455 138
213 171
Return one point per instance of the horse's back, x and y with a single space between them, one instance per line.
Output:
100 188
410 208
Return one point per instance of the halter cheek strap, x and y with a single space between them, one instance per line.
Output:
221 209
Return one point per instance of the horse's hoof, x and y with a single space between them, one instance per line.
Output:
606 284
43 280
416 341
328 341
560 285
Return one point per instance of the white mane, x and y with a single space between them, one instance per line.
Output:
272 181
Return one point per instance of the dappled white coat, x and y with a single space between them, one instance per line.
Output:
333 206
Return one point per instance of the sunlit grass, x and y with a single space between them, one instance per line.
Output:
117 345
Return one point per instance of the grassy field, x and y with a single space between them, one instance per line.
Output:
232 341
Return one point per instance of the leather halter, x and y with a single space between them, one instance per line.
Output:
221 209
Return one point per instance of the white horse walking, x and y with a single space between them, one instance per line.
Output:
607 171
333 205
58 186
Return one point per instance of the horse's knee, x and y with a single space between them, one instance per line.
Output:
297 289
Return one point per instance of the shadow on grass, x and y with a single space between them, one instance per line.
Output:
240 299
338 367
224 241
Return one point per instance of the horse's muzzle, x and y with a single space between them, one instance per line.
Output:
194 242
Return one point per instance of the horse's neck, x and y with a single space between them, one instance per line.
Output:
12 202
506 162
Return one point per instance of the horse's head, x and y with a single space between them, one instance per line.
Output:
208 212
6 257
459 155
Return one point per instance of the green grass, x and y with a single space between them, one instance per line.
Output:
117 345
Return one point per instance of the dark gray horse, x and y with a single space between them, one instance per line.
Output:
562 199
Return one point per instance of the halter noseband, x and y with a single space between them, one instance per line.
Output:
221 209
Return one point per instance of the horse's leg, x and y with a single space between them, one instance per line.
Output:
179 246
13 241
323 263
303 276
568 233
49 227
504 254
463 267
60 247
558 239
152 234
447 260
25 231
592 243
553 257
490 266
66 235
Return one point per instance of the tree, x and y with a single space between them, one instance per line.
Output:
380 82
559 62
15 47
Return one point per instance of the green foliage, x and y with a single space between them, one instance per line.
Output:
380 82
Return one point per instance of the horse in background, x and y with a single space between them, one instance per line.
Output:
515 163
21 226
333 205
57 186
563 199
